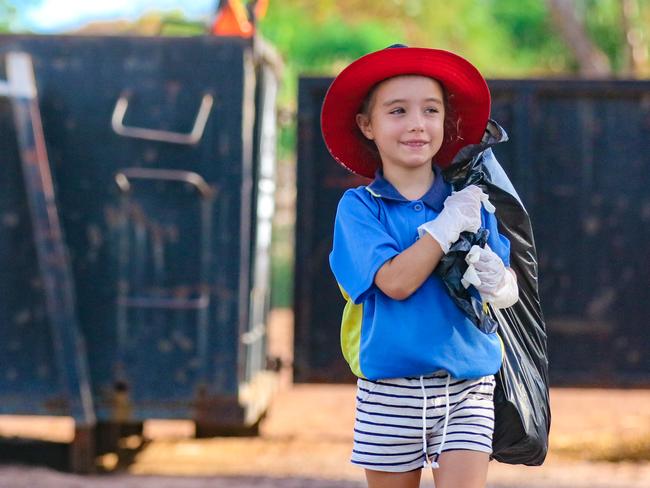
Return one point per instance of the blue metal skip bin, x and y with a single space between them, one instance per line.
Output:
578 155
135 280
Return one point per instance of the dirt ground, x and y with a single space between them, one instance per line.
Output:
306 439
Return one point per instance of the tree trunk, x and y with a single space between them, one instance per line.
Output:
592 61
636 54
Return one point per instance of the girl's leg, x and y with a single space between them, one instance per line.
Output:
382 479
462 469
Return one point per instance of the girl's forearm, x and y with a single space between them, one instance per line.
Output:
402 275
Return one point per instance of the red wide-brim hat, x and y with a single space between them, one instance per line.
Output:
467 93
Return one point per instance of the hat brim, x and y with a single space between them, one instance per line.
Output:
467 92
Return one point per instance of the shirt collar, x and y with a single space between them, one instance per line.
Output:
434 197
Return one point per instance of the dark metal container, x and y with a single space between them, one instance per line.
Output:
578 155
161 154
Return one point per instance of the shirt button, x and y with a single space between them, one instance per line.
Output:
417 207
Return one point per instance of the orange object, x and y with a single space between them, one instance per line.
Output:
233 20
260 9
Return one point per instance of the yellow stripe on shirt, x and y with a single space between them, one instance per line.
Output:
351 333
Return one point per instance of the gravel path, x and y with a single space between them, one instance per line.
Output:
306 439
30 477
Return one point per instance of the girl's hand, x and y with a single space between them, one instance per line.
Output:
462 212
496 284
490 270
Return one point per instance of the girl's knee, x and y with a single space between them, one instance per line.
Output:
462 469
384 479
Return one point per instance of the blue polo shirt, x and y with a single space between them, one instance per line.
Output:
386 338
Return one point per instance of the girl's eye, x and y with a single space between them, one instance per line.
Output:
397 110
431 110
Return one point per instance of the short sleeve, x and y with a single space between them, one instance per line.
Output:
497 242
361 244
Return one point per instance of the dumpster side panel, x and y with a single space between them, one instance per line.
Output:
317 300
578 155
151 360
29 381
588 158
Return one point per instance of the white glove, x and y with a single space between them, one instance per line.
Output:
486 271
461 212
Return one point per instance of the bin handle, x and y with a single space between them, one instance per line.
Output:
117 122
194 179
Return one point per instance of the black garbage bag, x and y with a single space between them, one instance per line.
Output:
452 268
521 400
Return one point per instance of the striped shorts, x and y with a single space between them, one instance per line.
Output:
390 430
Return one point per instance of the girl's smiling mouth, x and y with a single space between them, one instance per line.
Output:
415 143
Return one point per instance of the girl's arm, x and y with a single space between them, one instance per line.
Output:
400 276
403 274
365 254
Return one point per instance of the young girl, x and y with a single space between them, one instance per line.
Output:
425 371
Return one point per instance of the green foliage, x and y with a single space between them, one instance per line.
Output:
7 15
282 266
316 44
9 10
281 281
533 45
502 37
175 23
603 20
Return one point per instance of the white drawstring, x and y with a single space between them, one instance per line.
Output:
427 462
435 464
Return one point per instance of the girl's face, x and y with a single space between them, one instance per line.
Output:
405 120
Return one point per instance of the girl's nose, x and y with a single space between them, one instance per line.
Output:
416 122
